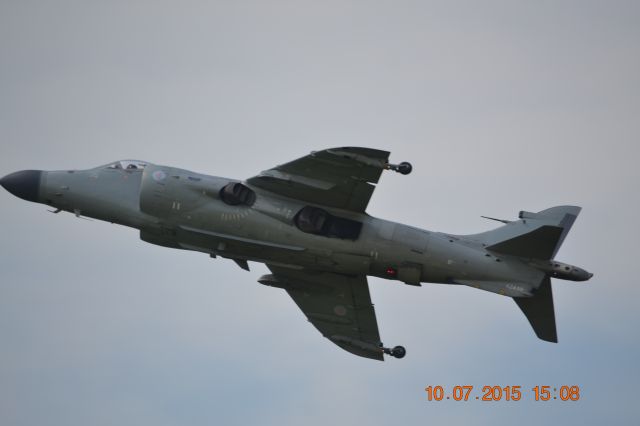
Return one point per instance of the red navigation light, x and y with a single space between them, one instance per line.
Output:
391 271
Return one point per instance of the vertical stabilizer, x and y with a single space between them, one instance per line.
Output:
535 236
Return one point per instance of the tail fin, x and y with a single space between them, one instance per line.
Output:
535 235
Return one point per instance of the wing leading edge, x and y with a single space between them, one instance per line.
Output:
339 306
340 177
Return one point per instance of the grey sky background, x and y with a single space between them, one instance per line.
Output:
500 106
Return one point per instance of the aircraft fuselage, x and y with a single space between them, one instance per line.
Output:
181 209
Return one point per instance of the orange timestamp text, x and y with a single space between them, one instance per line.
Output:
503 393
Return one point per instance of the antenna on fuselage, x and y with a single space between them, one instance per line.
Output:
497 220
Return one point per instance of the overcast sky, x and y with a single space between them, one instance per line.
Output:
500 106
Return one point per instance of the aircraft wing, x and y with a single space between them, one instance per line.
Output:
338 177
339 306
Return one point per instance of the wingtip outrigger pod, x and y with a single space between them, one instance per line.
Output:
396 351
403 168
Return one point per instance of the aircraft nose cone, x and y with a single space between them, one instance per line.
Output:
24 184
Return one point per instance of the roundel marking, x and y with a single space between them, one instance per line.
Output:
340 310
159 175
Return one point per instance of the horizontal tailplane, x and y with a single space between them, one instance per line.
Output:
540 243
539 311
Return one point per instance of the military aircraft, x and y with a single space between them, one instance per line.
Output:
306 221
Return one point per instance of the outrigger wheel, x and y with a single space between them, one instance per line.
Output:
396 351
403 168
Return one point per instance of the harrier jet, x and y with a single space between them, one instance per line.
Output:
307 221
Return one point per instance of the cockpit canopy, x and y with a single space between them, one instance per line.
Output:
128 165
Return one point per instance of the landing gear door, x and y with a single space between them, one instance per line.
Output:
413 243
348 263
410 273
